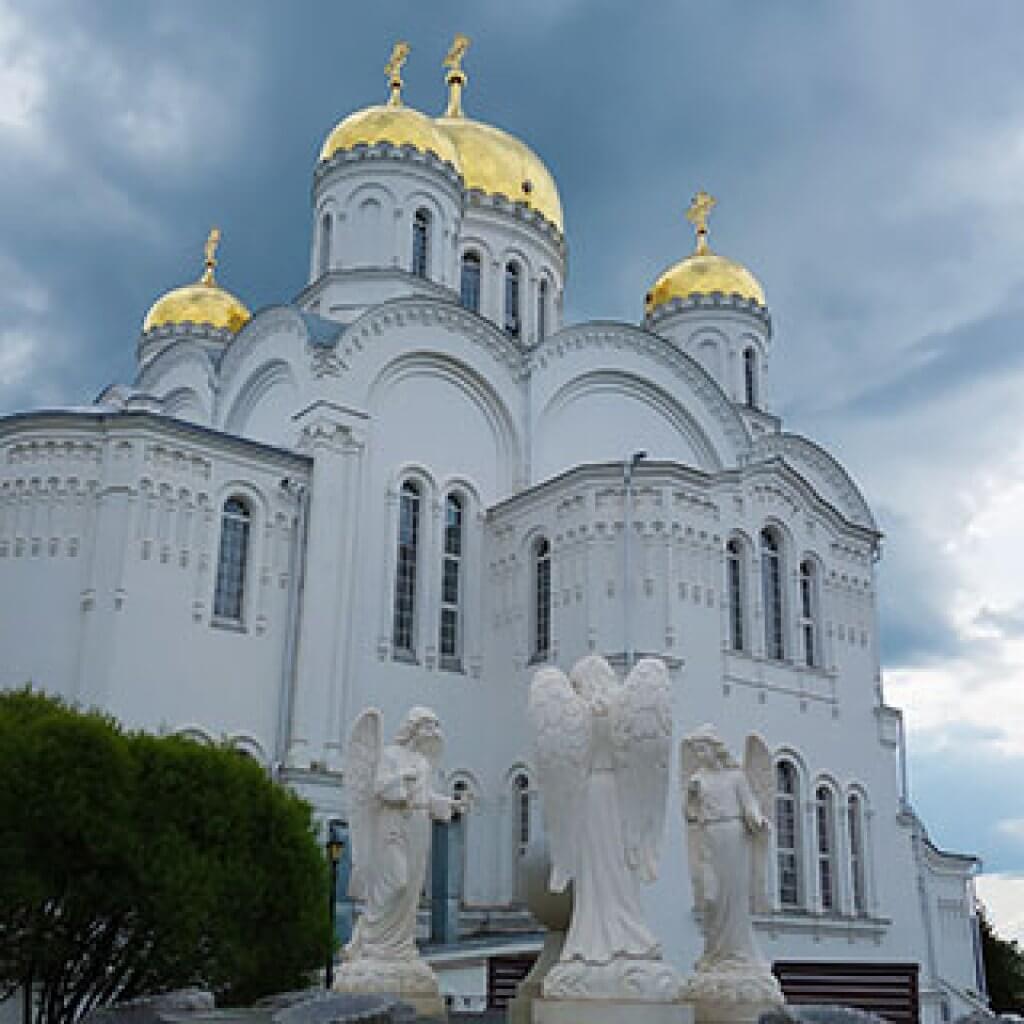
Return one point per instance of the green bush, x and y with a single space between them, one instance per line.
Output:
133 864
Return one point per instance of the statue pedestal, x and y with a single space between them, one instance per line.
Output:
640 991
410 981
736 995
609 1011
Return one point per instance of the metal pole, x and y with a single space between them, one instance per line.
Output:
628 466
334 907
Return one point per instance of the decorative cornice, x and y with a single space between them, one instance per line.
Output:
402 312
703 303
407 154
661 351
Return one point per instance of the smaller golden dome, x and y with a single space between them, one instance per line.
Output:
204 302
703 272
391 122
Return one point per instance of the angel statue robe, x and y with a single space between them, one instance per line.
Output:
601 749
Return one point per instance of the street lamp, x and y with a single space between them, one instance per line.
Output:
335 851
628 469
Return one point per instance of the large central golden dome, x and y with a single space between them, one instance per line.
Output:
391 122
204 302
491 160
703 272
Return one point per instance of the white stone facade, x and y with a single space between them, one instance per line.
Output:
317 414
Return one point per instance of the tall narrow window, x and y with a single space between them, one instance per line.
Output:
522 790
404 630
542 309
809 612
771 583
451 584
734 586
512 317
420 242
229 593
750 377
786 833
542 599
826 847
856 826
326 226
469 285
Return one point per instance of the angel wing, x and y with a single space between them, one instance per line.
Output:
689 762
757 766
641 737
562 733
362 756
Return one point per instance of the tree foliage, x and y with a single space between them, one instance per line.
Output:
1004 969
132 864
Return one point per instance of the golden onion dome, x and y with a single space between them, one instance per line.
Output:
204 302
703 272
391 122
491 160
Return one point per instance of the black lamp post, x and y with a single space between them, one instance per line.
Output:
335 851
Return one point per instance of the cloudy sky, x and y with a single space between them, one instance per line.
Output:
868 159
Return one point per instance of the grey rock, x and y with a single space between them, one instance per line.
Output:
820 1013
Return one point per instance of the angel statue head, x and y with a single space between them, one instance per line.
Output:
710 750
421 731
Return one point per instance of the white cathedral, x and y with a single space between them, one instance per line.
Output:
413 484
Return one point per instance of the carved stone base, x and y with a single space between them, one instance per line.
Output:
411 981
609 1011
732 994
623 979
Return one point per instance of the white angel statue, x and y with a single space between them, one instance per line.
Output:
728 832
602 750
391 806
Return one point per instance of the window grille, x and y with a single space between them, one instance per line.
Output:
786 834
856 827
512 317
403 637
229 592
771 581
542 309
809 613
469 288
326 227
826 847
542 599
734 583
750 377
420 242
451 578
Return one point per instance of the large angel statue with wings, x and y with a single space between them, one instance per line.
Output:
728 831
602 752
391 804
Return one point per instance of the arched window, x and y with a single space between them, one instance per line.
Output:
521 785
826 829
771 583
326 226
809 612
750 376
469 283
735 590
451 584
541 599
542 309
787 803
404 631
855 814
512 316
229 593
420 241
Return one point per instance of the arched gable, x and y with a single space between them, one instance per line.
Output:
184 366
821 470
264 405
665 387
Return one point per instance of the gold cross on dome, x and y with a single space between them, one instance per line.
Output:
697 215
393 69
460 44
210 249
